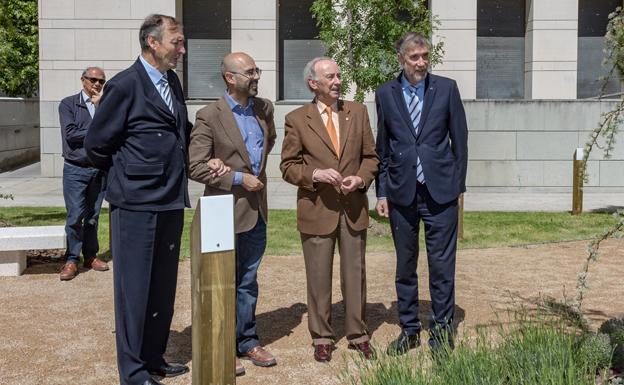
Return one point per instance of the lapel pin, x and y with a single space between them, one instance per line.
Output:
347 118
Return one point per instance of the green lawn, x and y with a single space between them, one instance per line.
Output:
481 229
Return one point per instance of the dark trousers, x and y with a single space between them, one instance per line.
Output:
441 241
83 192
146 246
250 247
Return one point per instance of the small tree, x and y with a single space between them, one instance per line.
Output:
360 36
19 49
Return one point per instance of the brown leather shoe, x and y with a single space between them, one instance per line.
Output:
260 357
95 264
240 369
323 352
69 271
364 348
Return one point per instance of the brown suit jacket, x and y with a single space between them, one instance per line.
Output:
216 135
307 146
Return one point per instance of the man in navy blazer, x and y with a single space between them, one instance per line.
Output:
422 144
140 135
83 184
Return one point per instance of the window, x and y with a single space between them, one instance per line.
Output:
207 27
501 28
592 26
298 44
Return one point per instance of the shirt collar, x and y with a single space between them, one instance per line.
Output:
85 97
154 74
322 106
233 103
405 84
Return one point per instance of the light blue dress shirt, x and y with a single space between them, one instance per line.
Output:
407 93
252 134
155 76
88 103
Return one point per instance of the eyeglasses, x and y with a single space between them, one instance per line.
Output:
249 74
95 80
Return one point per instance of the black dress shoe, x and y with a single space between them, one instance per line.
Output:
152 381
169 370
404 343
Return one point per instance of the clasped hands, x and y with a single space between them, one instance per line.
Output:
217 168
333 177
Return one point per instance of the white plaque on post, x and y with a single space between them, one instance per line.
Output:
217 223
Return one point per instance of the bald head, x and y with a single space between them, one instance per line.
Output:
234 62
241 75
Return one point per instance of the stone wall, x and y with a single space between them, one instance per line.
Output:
19 132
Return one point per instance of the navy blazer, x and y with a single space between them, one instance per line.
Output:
441 142
141 143
75 121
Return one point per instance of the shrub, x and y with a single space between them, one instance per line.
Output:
614 328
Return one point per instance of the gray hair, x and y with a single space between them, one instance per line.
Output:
411 38
86 71
309 73
153 25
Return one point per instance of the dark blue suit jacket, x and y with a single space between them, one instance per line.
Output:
141 143
75 121
441 142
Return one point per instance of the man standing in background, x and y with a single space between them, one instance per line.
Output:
239 130
83 184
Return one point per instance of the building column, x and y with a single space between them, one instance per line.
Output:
254 31
458 31
551 49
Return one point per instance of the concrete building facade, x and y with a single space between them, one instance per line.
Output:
495 49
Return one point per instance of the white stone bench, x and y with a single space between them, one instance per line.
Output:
15 241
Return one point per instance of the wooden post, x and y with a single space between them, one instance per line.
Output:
577 182
213 282
460 218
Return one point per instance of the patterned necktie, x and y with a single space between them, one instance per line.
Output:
331 130
90 107
415 109
165 92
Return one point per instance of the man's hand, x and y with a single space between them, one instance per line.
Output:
351 183
95 98
328 175
251 182
217 167
382 207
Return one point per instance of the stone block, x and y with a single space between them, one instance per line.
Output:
489 173
142 8
56 9
110 9
453 9
57 84
105 44
492 145
48 114
552 85
12 263
56 44
260 44
51 140
546 145
549 45
277 148
554 9
459 44
47 165
466 82
272 166
612 173
254 9
267 86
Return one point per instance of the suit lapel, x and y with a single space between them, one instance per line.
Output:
315 122
430 91
399 99
265 131
80 102
152 95
344 122
228 124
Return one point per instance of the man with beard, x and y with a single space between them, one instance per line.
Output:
329 154
239 130
83 184
140 134
422 142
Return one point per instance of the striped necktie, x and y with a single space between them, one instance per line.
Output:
165 92
415 109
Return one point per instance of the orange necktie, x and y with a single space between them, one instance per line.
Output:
331 130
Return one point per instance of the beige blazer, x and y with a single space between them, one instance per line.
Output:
307 146
216 135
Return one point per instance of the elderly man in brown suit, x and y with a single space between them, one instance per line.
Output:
329 153
228 152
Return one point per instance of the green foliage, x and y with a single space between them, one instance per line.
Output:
614 328
529 352
360 36
19 49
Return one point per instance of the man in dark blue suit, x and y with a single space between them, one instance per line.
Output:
422 144
140 135
83 184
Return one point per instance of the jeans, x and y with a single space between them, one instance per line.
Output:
83 191
250 247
